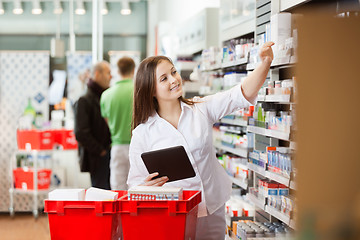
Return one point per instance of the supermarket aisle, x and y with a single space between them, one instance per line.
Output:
24 226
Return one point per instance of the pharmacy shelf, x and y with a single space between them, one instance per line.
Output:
238 62
278 178
292 224
236 122
239 182
257 169
292 145
260 203
279 215
286 5
227 219
280 61
242 152
273 176
269 132
277 98
29 191
231 131
292 185
246 27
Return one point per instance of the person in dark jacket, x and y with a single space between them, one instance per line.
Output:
91 130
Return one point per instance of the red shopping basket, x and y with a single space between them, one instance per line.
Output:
84 220
160 220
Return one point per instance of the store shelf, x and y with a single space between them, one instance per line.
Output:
29 191
279 215
260 203
286 5
293 185
257 169
238 62
227 219
231 131
241 29
278 178
33 151
269 133
292 145
273 176
239 182
236 122
277 98
280 61
292 224
242 152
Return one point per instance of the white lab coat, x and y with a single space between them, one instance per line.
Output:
194 132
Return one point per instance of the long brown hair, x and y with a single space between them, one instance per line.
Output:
145 104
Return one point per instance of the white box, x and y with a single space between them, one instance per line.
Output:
67 194
97 194
280 30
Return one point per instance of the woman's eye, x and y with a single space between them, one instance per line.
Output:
163 79
174 72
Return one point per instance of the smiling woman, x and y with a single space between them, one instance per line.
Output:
162 118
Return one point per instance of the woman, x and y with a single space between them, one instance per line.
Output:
162 118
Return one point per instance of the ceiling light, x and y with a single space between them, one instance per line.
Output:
104 9
57 7
80 7
17 7
2 11
36 7
125 10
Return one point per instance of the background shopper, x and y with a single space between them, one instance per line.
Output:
163 118
91 130
116 107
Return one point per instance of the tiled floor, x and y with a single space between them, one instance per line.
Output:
24 227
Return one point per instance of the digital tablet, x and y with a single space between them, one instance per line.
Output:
172 162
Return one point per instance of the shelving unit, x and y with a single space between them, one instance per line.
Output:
264 10
236 122
269 133
35 191
286 5
239 183
242 152
260 203
241 61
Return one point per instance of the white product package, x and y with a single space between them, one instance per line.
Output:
97 194
155 193
67 194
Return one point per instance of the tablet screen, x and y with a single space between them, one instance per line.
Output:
172 162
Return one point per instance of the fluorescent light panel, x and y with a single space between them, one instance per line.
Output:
57 7
2 11
36 9
104 9
80 7
17 7
125 9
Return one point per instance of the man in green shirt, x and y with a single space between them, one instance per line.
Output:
116 107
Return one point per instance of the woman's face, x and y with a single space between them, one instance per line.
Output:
168 82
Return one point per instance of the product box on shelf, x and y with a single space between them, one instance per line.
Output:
46 139
66 138
24 178
35 139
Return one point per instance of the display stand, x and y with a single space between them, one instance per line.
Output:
35 191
